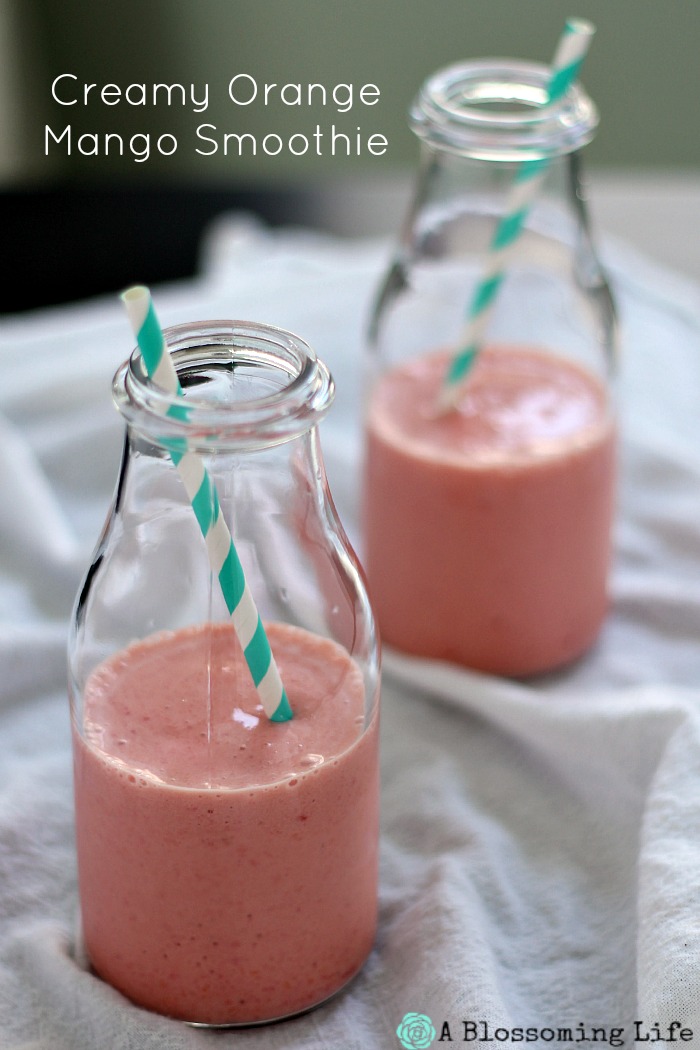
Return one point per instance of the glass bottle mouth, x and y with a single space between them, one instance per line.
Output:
244 386
496 109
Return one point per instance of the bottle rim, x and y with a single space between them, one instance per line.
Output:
292 389
496 109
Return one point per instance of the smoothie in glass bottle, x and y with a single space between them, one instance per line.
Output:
487 524
227 862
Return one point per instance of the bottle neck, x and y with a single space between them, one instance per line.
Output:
498 110
483 123
443 173
244 387
459 201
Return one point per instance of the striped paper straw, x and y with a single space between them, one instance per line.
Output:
570 53
223 559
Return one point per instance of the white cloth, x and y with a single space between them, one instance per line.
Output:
540 854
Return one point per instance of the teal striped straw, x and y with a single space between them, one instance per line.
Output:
570 53
223 559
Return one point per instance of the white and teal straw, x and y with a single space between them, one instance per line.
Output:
570 53
223 559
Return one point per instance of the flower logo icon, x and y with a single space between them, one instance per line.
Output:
416 1032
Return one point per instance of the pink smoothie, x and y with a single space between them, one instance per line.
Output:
227 874
487 529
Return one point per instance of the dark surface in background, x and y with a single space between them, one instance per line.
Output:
63 244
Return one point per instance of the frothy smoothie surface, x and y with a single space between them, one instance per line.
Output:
182 708
227 864
487 528
517 405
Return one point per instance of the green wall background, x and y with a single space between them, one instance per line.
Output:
642 70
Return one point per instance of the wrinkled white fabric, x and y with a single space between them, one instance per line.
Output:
540 853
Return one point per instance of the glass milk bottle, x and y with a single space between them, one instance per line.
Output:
227 862
487 523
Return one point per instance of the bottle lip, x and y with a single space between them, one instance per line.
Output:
496 109
297 387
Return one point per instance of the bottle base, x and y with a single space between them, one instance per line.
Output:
275 1020
508 663
83 961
